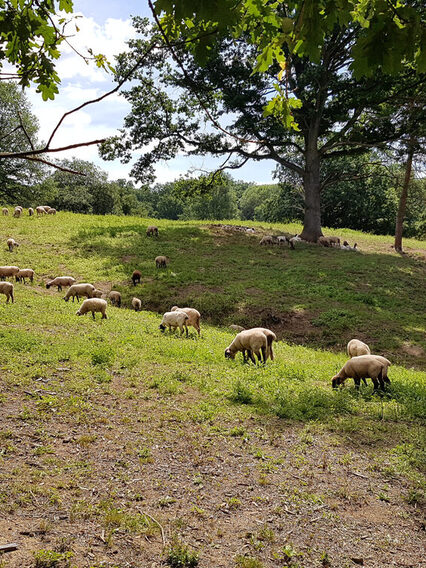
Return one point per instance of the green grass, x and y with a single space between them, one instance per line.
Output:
64 374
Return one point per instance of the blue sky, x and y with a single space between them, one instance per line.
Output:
105 26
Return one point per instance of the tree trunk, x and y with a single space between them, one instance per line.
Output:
312 188
403 199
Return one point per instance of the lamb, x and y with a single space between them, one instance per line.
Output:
93 305
12 244
40 211
174 320
136 304
347 246
60 281
250 340
24 273
51 211
161 261
356 347
17 212
115 298
6 288
30 211
5 211
284 240
361 367
152 231
193 317
136 277
8 271
77 290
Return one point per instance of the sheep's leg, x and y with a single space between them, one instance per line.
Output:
271 352
250 354
375 383
264 353
93 314
104 316
186 327
357 382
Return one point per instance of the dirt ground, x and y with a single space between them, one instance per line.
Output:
116 491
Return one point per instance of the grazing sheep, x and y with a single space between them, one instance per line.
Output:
17 212
237 327
24 273
174 320
161 261
193 317
270 336
268 240
40 211
77 290
136 277
115 298
6 288
12 244
250 341
152 231
329 241
284 240
8 271
374 367
5 211
97 294
51 211
93 305
356 347
30 211
60 281
136 304
296 239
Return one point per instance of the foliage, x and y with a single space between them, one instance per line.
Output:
178 555
17 177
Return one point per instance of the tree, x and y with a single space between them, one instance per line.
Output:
16 123
208 198
336 113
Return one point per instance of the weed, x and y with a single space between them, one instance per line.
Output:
51 559
248 562
178 555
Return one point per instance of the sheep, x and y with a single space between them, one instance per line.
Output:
250 340
115 298
6 288
270 336
51 211
236 327
12 244
30 211
18 211
268 240
347 246
40 211
60 281
46 208
5 211
77 290
356 347
361 367
136 304
193 317
174 320
152 231
161 261
97 293
8 271
329 241
136 277
93 305
24 273
283 240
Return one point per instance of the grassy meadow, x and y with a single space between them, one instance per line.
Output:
122 447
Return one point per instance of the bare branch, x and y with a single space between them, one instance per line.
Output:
49 150
54 165
25 131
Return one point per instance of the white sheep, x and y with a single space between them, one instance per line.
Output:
60 281
77 290
93 305
284 240
40 211
374 367
356 347
250 341
51 211
194 317
17 212
97 293
136 304
270 336
329 241
236 327
268 240
161 261
174 320
30 211
12 244
5 211
6 288
115 298
8 271
152 231
24 273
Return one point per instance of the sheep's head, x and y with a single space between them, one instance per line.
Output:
229 354
48 285
78 313
337 381
65 298
162 327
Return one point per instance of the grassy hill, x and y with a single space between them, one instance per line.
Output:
120 446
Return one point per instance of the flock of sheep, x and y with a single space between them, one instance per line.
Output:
251 342
290 240
40 210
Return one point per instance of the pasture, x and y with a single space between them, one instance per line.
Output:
123 447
